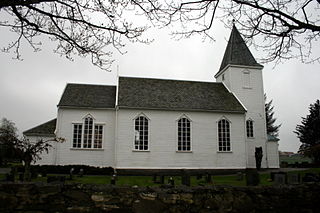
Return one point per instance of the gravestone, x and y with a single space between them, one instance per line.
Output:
239 176
81 172
293 178
154 178
208 178
171 181
272 174
71 173
113 179
252 177
199 176
310 177
162 179
56 179
185 179
279 179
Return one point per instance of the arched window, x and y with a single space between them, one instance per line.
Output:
249 126
141 138
224 135
87 134
77 135
184 134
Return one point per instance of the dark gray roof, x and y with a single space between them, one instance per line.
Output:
45 129
237 52
176 95
87 95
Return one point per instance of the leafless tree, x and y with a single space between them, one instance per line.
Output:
79 27
284 29
22 148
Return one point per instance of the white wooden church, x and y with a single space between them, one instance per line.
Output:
145 123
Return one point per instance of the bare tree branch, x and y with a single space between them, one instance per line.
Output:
283 29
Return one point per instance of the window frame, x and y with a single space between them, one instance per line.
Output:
246 79
134 134
94 124
177 134
76 145
252 128
218 141
88 132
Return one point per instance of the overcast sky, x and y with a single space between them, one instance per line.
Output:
31 89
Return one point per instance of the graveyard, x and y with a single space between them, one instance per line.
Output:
290 176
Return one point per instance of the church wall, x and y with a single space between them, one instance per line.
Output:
46 158
163 141
273 154
95 157
247 84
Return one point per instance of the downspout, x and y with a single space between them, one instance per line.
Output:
116 123
55 161
116 140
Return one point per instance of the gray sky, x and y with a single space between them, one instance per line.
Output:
31 89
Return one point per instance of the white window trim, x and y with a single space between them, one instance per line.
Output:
243 80
82 133
177 137
217 129
253 128
72 130
134 133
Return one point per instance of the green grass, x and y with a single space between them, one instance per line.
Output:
295 158
148 180
230 180
311 170
2 176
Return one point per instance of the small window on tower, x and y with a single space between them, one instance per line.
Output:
222 77
246 79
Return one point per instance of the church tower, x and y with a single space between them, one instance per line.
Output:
242 75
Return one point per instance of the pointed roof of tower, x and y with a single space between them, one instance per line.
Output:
237 52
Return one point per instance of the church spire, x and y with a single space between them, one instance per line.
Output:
237 52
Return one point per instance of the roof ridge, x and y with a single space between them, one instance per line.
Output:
91 84
163 79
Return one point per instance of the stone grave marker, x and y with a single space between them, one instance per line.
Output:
279 179
252 177
161 179
208 178
293 178
239 176
185 179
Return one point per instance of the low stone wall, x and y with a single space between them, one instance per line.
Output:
40 198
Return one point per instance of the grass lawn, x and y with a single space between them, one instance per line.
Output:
311 170
230 180
148 180
295 158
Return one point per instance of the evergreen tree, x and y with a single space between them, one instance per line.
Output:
309 133
8 131
272 129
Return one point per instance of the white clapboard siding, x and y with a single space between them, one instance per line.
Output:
163 141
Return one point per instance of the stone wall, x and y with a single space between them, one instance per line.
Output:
40 198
